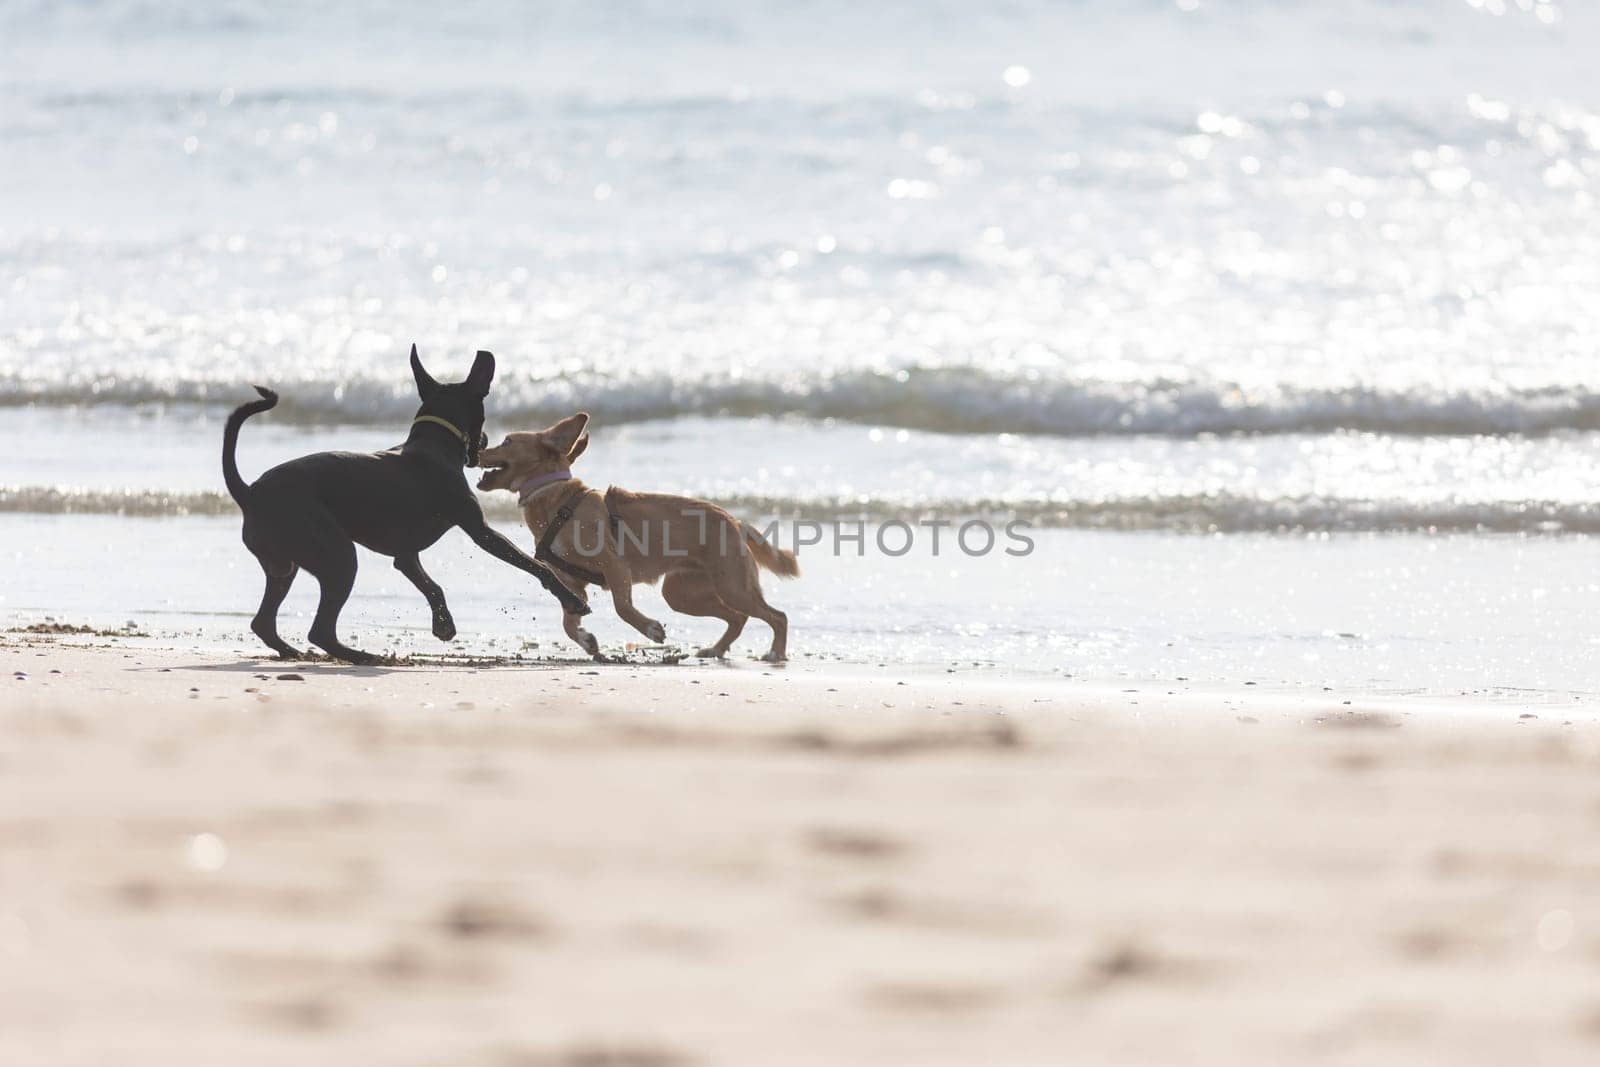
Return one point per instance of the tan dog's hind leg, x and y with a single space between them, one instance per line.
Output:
620 582
690 593
740 589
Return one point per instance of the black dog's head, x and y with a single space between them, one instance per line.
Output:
458 403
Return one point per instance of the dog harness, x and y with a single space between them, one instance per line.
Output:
546 552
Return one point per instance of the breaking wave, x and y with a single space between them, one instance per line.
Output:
1198 513
945 399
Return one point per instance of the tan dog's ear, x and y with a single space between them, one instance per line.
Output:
563 436
577 449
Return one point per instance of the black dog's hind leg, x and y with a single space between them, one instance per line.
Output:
335 571
265 624
444 627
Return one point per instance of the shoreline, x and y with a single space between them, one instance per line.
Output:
1490 620
812 676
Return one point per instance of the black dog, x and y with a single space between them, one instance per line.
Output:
312 511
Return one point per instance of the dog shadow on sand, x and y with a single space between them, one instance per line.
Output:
307 668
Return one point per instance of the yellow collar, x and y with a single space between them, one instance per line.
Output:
437 421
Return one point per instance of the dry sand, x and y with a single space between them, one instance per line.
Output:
572 866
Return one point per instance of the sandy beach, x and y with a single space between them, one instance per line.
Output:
215 859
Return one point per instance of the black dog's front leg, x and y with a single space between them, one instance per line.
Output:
488 539
444 627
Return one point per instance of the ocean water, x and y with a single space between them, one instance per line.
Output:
1316 279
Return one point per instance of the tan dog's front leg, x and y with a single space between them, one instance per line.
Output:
574 628
619 582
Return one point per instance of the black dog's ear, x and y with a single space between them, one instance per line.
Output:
577 449
426 386
482 373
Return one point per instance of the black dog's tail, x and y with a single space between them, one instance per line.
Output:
230 440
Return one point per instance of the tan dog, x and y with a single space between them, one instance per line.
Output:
618 539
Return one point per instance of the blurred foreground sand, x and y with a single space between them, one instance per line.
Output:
638 867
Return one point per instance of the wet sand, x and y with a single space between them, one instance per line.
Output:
202 862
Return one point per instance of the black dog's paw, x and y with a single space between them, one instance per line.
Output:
444 628
345 654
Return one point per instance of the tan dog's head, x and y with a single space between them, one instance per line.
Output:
526 455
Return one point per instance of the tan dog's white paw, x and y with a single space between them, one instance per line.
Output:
587 640
656 632
774 657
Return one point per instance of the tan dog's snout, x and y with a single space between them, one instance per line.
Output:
492 463
489 457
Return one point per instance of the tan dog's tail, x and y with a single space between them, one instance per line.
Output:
779 561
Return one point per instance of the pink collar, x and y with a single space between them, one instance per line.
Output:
530 486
